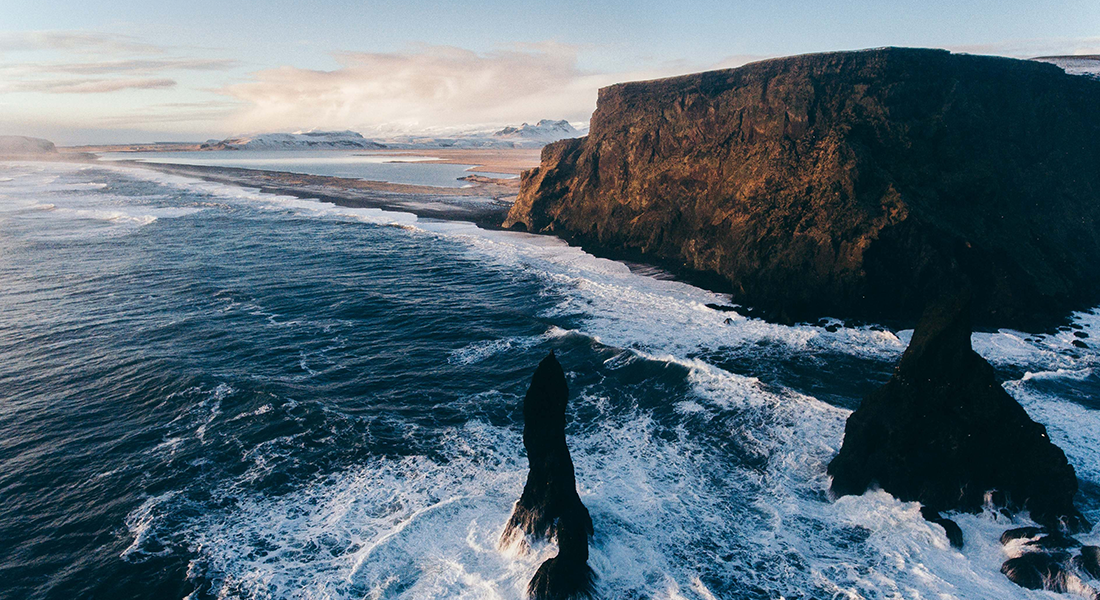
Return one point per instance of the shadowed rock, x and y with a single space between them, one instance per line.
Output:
549 506
951 528
944 432
1089 561
1037 571
1020 533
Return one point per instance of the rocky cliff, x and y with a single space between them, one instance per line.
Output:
853 184
944 432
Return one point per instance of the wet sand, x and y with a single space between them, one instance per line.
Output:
512 161
482 202
485 201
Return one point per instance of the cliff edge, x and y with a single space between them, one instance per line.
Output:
851 184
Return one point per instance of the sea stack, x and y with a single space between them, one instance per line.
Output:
943 432
848 184
549 506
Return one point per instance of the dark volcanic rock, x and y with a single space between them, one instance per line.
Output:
1089 561
944 432
950 528
852 184
1038 571
1020 533
549 506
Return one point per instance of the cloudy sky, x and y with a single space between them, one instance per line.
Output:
100 71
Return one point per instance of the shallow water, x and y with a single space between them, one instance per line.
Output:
411 170
210 392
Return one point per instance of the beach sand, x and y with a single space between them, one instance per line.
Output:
483 203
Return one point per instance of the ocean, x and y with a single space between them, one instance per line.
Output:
211 392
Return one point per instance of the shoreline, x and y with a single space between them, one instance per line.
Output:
482 203
508 161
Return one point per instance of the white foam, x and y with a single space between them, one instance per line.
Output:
673 519
478 351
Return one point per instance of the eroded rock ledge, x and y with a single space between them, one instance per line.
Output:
853 184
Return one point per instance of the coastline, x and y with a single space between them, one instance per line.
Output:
484 202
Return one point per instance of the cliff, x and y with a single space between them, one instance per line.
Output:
853 184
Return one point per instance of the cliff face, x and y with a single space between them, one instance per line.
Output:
854 184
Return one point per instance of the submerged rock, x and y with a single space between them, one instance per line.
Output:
846 184
1089 561
1043 561
1038 571
549 506
1020 533
943 432
951 529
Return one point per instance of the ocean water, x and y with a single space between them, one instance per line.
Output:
209 392
393 168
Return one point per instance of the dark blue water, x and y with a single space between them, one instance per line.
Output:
209 392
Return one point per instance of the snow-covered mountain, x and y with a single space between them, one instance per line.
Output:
544 131
19 145
1076 65
303 140
524 136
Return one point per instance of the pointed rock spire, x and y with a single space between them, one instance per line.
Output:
549 506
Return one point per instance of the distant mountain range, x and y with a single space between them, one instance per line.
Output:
19 145
306 140
1076 65
544 131
524 136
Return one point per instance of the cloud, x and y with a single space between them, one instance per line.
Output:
89 42
89 86
95 63
117 67
429 87
214 112
125 66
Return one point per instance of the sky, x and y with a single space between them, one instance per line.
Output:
97 71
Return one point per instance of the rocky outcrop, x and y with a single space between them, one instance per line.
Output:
950 528
1038 571
853 184
1040 559
549 506
943 432
1089 561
